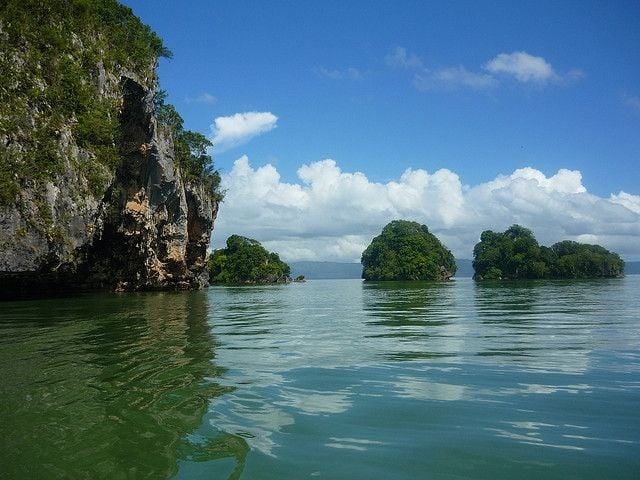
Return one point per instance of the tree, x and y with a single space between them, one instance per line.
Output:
580 260
245 260
516 253
407 251
190 147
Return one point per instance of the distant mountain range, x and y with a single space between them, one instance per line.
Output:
465 267
325 270
631 268
338 270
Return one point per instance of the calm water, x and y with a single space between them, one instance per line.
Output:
329 379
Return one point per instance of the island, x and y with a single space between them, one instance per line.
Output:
406 250
246 261
516 254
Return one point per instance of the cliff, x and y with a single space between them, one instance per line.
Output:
92 193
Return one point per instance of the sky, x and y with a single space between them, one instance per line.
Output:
331 118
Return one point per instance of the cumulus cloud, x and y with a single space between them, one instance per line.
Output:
329 214
632 202
229 132
522 66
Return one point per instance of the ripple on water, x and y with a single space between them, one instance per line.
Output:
338 379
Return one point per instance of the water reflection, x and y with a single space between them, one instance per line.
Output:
540 324
253 418
107 386
406 386
312 402
510 303
414 320
336 379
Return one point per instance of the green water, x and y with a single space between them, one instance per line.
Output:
326 379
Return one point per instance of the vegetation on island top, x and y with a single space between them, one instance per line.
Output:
516 254
246 261
407 251
50 55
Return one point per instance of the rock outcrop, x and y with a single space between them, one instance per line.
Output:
113 214
149 229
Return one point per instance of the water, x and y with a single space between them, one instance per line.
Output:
326 379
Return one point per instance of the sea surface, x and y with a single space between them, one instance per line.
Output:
334 379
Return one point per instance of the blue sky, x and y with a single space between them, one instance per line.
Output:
480 90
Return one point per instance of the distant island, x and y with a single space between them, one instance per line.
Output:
407 251
516 254
326 270
246 261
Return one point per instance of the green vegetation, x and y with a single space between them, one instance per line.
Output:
246 261
190 148
50 56
515 254
407 251
54 56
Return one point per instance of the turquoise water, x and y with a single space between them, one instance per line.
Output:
326 379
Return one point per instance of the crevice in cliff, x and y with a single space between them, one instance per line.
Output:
136 134
118 254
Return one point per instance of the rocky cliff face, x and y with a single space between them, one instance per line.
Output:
91 192
142 227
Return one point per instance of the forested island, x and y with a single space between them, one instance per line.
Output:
516 254
407 251
246 261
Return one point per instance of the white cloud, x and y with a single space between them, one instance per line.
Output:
453 77
399 58
523 67
203 98
332 74
229 132
329 214
350 73
445 77
632 202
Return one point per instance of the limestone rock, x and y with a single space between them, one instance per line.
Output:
146 229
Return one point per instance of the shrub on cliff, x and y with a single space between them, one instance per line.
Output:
246 261
53 58
516 253
407 251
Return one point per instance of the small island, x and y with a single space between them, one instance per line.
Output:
407 251
246 261
516 254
